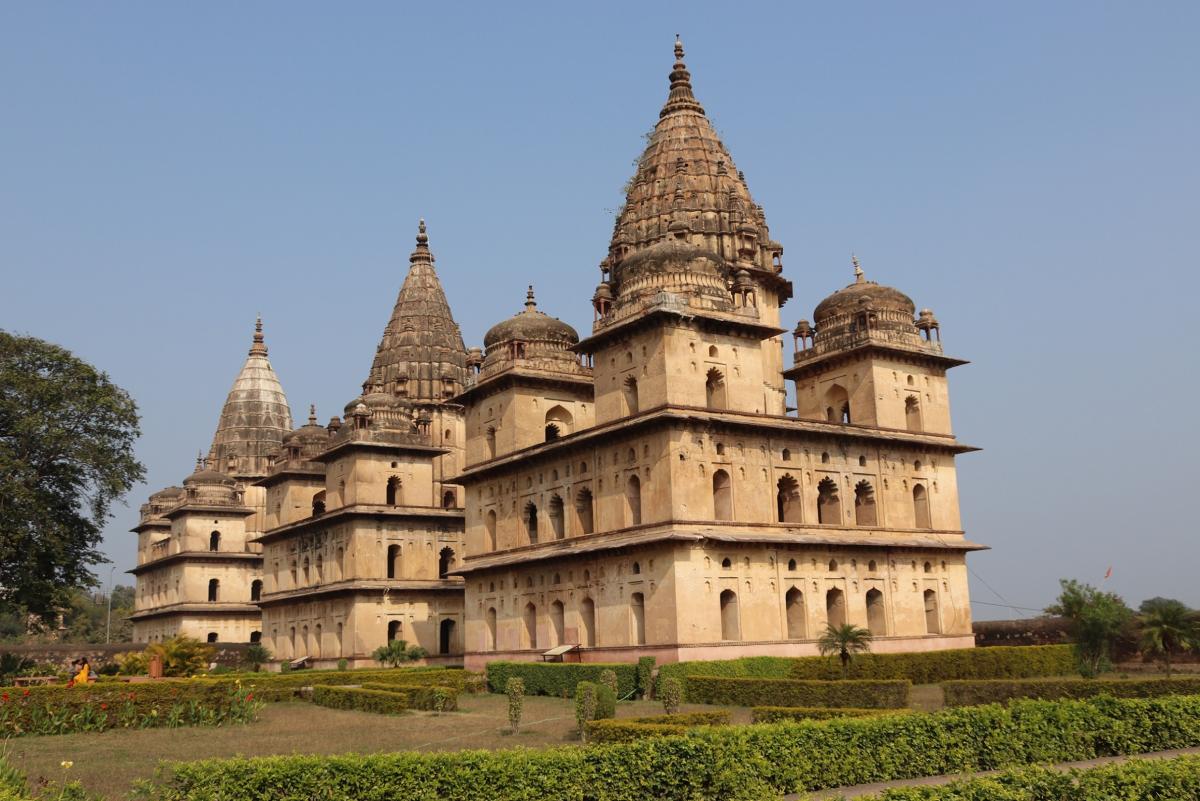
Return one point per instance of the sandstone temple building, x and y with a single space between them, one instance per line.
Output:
645 489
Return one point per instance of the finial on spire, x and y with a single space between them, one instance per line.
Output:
199 461
678 48
312 414
681 97
530 303
258 347
859 276
422 251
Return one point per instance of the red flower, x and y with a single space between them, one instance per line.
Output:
104 706
249 697
5 696
26 693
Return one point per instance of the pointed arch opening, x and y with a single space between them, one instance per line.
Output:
584 513
489 441
629 392
637 608
633 501
214 590
445 562
730 623
722 490
864 504
557 523
587 623
531 522
256 591
214 541
912 413
557 624
530 620
714 389
835 607
394 493
787 499
558 422
920 506
489 524
393 561
876 618
829 506
446 637
837 404
490 631
394 629
794 609
449 499
933 621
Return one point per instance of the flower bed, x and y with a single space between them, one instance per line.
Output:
717 761
64 710
788 692
967 693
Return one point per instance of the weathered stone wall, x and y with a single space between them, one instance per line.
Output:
62 654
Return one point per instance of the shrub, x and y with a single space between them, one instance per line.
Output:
968 693
585 706
58 709
671 693
1175 779
419 696
181 656
645 675
514 688
256 656
778 714
609 679
606 702
397 652
384 702
719 761
343 664
627 730
558 679
789 692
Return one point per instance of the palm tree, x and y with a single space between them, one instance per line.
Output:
1168 626
845 641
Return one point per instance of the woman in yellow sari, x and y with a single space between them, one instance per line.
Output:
84 670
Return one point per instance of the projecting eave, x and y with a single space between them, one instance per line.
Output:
693 415
744 324
344 446
151 524
217 508
454 584
801 369
361 510
518 376
217 608
314 473
780 535
195 556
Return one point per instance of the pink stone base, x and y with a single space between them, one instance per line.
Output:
477 660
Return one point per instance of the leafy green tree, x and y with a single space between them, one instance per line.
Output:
66 455
255 656
181 655
1167 627
845 640
1095 621
397 652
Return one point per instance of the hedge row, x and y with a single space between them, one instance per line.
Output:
1176 779
311 678
1002 662
559 679
778 714
716 761
379 701
968 693
790 692
442 699
625 730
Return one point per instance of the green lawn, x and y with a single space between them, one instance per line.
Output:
109 762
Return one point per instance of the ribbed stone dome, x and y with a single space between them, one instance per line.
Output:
531 325
862 294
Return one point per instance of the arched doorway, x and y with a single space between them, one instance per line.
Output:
446 637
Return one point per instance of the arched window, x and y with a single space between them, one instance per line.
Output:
489 522
531 522
490 442
714 389
791 565
730 625
320 568
315 651
835 608
833 565
633 501
446 636
255 636
557 623
558 423
837 404
556 517
920 506
786 455
393 561
726 564
794 604
722 496
490 645
712 351
876 620
933 623
393 491
445 561
530 618
928 567
787 499
871 566
637 607
829 506
214 587
629 392
395 629
583 511
214 541
912 413
318 503
587 623
637 568
449 499
255 590
340 565
212 636
864 504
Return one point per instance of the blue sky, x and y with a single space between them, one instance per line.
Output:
1028 170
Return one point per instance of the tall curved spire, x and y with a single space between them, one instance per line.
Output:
254 418
421 356
687 188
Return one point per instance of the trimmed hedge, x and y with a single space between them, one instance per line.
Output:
559 679
789 692
969 693
1176 779
625 730
716 761
778 714
1001 662
384 702
420 697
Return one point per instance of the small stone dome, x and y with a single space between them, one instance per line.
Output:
531 325
203 477
309 436
166 494
862 294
